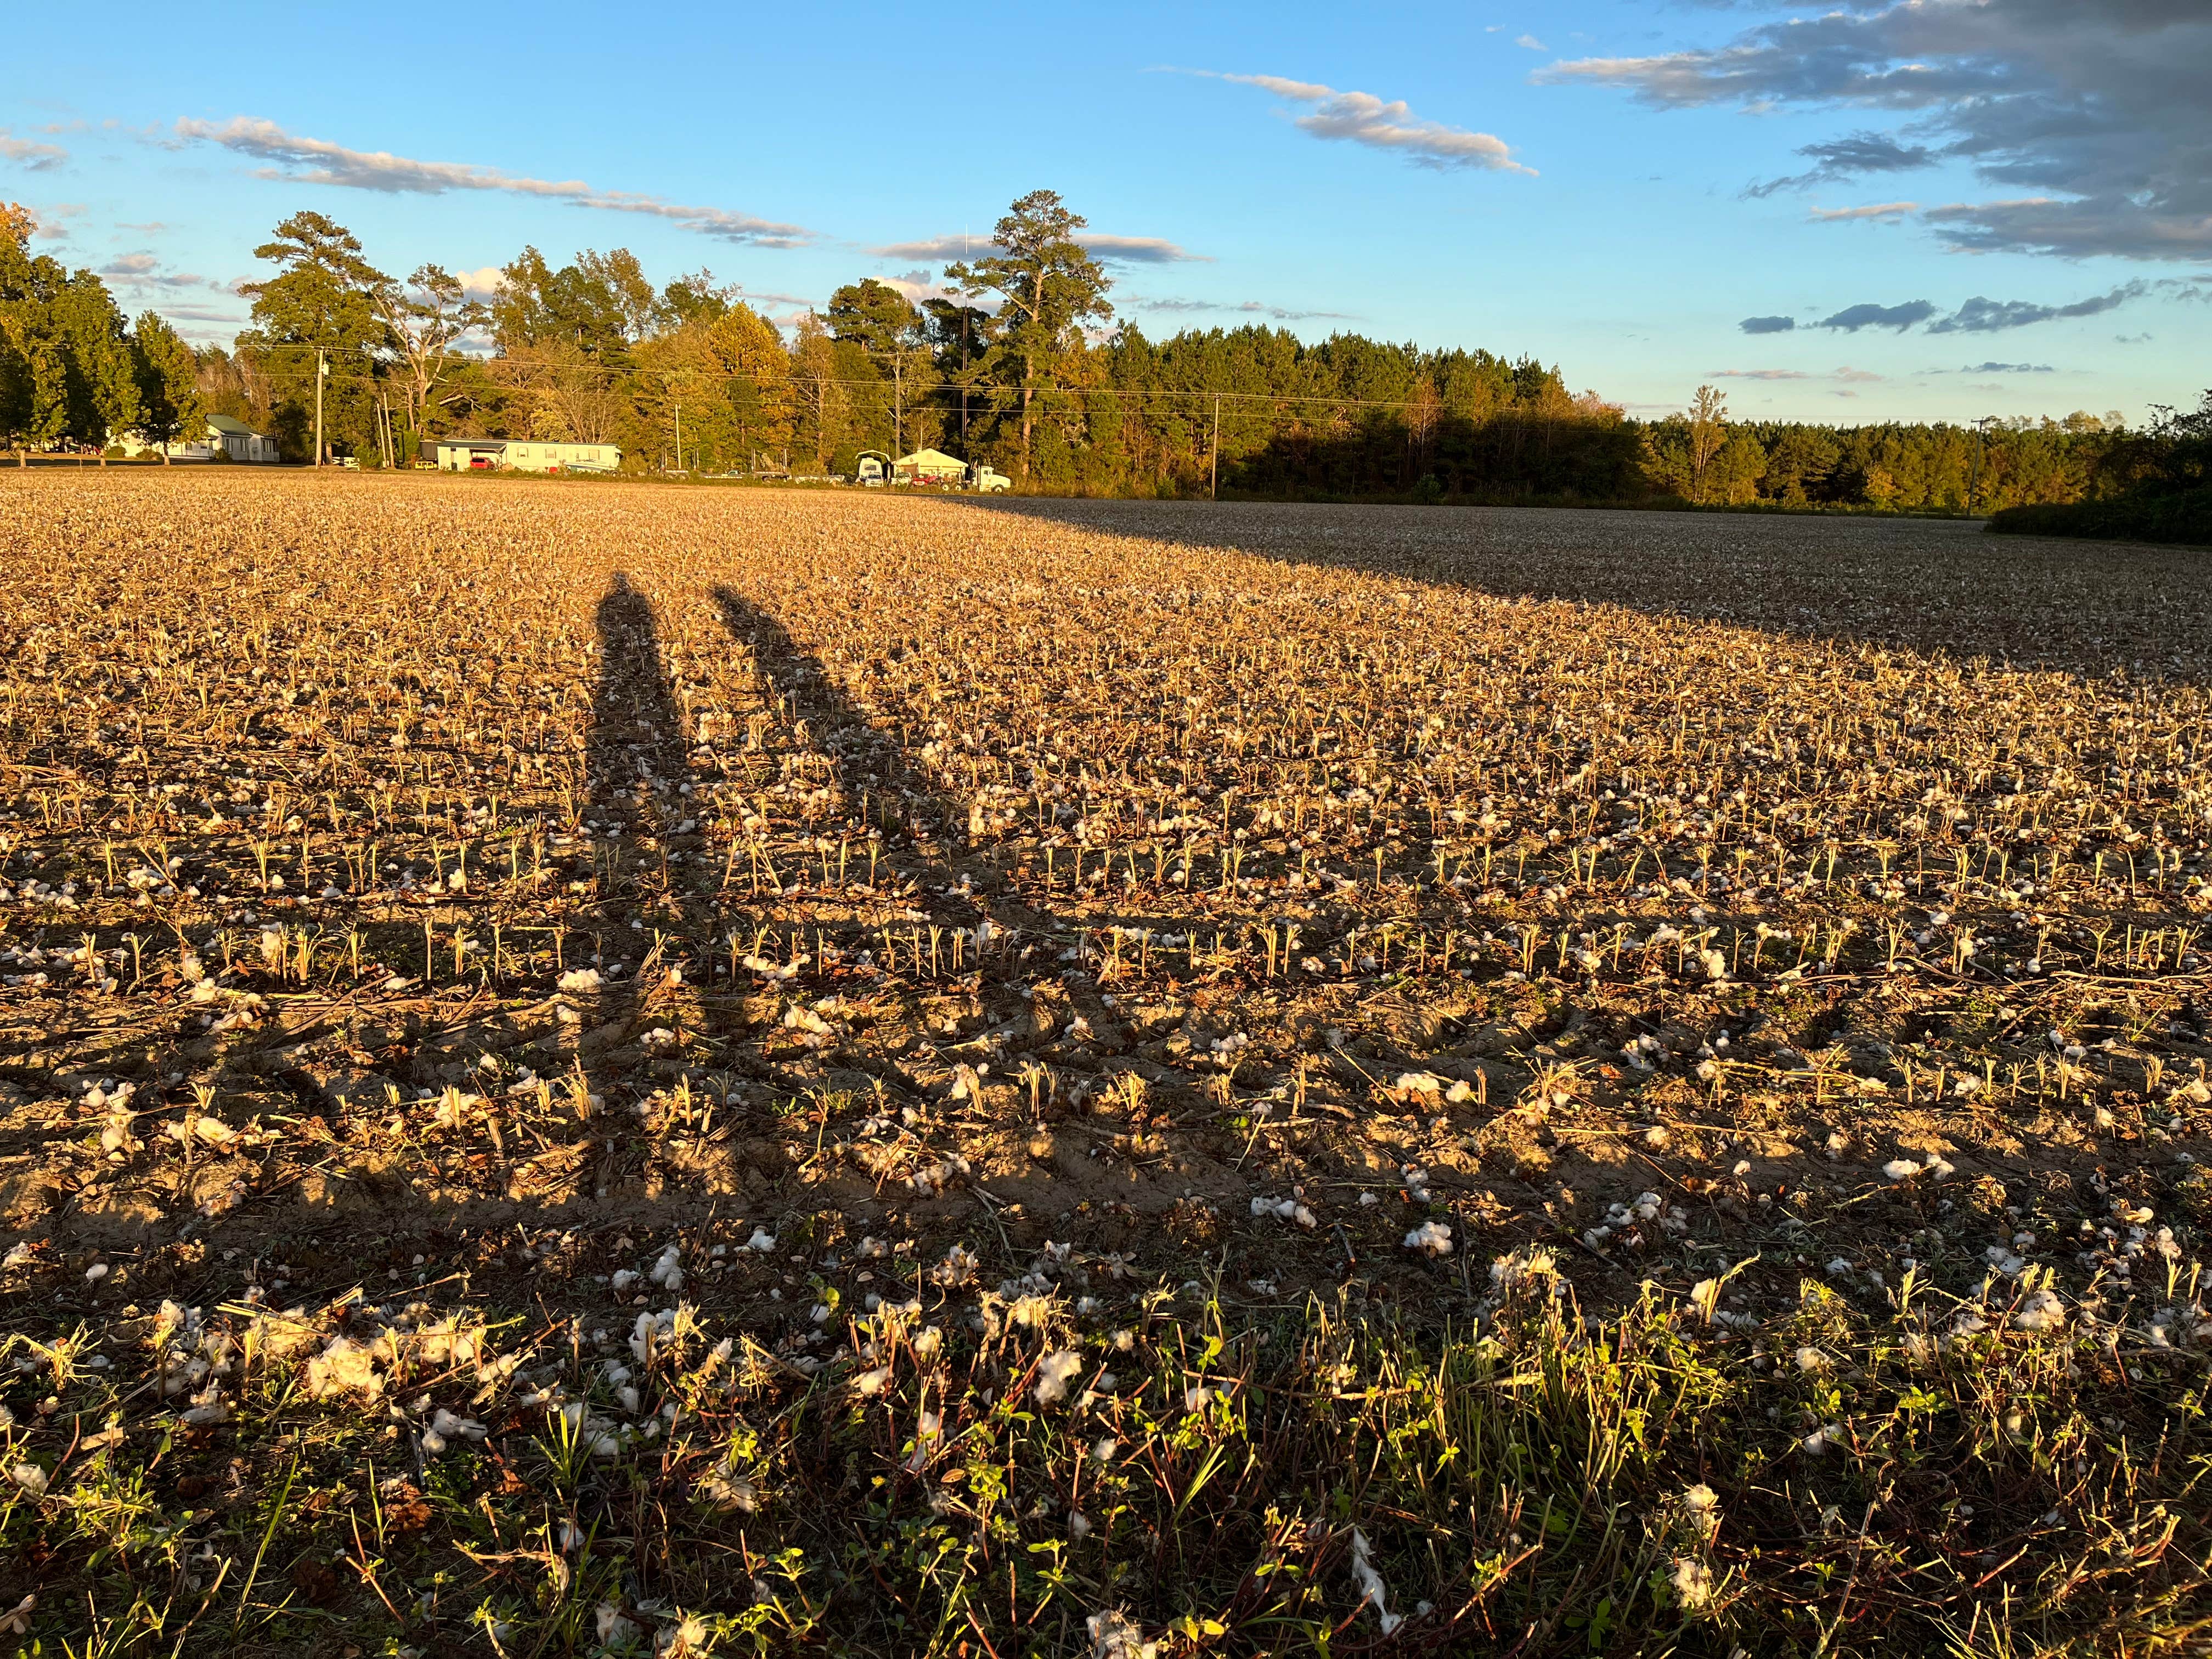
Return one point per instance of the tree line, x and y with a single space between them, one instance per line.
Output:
2155 485
1017 359
74 370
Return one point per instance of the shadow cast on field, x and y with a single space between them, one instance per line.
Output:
637 765
926 840
1935 587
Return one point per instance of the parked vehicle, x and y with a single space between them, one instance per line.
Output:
988 480
873 469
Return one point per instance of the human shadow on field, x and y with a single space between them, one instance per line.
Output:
925 832
1929 586
637 763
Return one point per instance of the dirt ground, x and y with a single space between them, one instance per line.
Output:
463 892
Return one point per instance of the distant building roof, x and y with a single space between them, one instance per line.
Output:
932 460
230 428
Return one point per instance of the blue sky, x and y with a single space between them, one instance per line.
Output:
1932 209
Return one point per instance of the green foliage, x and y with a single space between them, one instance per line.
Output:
67 371
1014 374
1048 287
2155 486
323 298
168 383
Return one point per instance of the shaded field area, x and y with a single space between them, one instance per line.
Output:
597 1068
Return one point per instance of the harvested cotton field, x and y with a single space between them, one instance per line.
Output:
593 1067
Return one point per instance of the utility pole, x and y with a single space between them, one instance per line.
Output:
322 373
679 437
1213 490
964 309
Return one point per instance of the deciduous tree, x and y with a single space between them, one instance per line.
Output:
1708 420
170 404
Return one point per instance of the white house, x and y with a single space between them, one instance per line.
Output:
240 442
224 439
509 454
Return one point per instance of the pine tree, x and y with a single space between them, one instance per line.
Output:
1050 287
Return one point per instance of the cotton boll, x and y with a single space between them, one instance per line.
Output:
1693 1583
1054 1373
666 1271
1114 1636
2042 1312
1431 1238
1372 1590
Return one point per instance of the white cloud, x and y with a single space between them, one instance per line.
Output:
1531 42
1100 245
28 153
1135 250
1246 307
918 286
317 160
1885 210
481 284
1361 118
756 299
142 270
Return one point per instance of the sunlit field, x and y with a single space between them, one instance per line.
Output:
590 1067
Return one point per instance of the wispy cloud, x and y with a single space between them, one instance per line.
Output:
1996 368
1245 308
1845 375
1849 157
1851 318
142 270
51 220
2087 117
1100 245
1361 118
1984 316
1135 250
1767 325
1530 42
1979 315
29 154
1871 210
317 160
